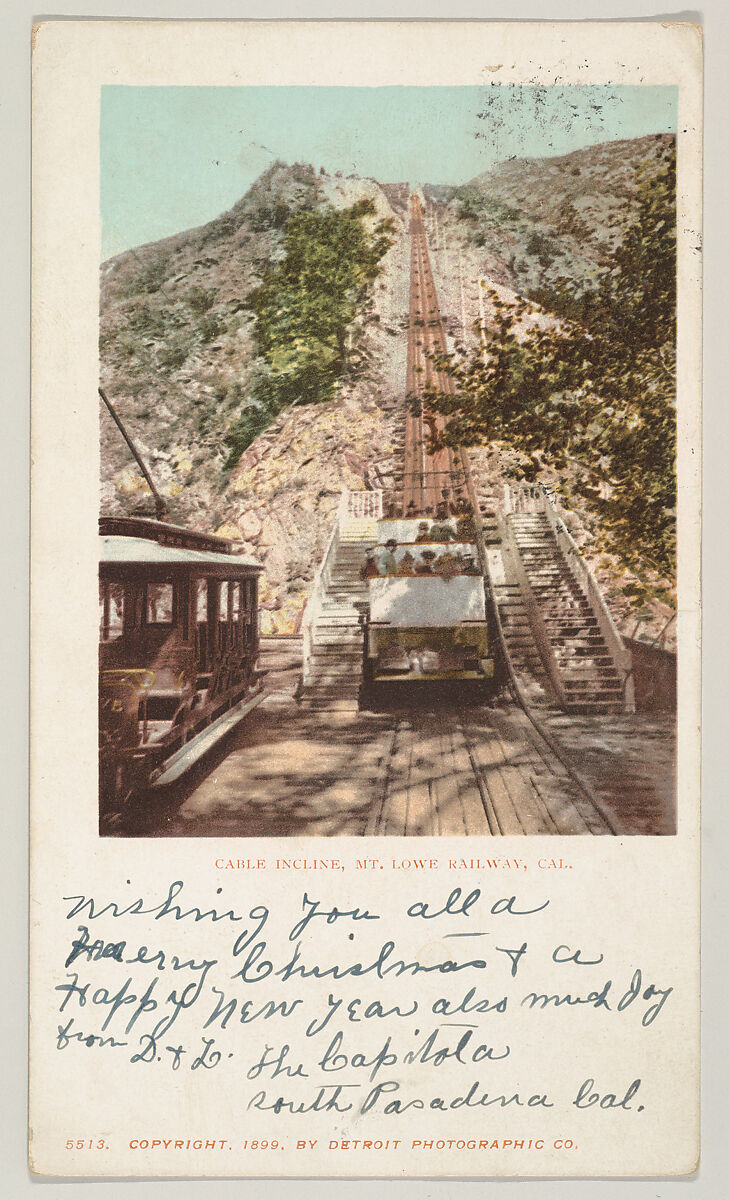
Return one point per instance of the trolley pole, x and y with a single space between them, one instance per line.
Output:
160 508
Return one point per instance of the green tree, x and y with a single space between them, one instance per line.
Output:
592 393
304 307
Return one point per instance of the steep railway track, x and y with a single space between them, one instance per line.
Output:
426 475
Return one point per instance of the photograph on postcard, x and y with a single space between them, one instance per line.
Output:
366 428
388 460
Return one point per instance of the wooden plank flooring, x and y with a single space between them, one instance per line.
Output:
343 774
446 771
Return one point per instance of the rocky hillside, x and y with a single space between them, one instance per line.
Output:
180 360
535 220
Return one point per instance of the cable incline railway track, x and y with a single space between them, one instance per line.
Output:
426 476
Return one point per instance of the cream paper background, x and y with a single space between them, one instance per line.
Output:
637 897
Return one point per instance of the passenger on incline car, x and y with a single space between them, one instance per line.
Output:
440 531
386 561
443 510
457 503
369 566
465 529
448 564
424 565
406 564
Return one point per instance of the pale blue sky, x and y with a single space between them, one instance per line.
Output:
175 157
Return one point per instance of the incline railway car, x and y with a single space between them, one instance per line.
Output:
427 607
178 651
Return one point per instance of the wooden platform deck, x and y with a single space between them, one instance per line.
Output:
462 771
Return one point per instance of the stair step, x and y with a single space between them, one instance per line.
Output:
328 648
318 693
348 623
337 679
563 607
595 694
330 635
338 631
566 613
575 646
578 639
583 641
599 676
334 654
579 645
606 673
571 624
595 708
561 622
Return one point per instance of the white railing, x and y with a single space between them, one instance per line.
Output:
524 498
363 506
315 603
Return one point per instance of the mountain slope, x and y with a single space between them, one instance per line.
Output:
180 359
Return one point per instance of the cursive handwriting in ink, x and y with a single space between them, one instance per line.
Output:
366 1028
330 915
137 908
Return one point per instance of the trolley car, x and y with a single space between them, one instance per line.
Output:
427 606
178 651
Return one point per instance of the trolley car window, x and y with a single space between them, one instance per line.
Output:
160 604
111 610
202 601
223 610
182 593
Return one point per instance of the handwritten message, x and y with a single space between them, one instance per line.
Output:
358 1010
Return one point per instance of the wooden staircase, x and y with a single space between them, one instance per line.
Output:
513 612
334 658
588 675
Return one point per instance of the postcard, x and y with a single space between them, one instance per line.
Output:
365 599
